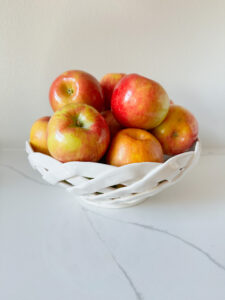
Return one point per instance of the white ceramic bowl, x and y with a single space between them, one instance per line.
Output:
113 187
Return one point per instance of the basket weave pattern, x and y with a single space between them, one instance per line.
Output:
108 186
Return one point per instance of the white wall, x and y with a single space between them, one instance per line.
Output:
176 42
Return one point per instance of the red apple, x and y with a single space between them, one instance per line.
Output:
133 145
77 132
76 87
139 102
108 83
38 135
113 124
178 131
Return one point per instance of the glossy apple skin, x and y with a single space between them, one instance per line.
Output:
114 125
133 145
178 131
78 132
38 135
76 87
139 102
108 83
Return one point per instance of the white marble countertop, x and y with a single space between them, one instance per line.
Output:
171 247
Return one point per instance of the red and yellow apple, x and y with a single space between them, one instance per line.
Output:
113 124
132 145
38 135
76 87
139 102
78 132
108 83
178 131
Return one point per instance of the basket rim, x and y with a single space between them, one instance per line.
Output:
134 178
196 146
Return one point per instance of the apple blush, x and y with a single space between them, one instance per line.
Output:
139 102
132 145
78 132
38 135
76 87
178 131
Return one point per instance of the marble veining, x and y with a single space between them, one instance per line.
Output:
120 267
15 170
144 226
208 281
165 232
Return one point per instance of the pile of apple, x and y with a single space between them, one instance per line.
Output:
120 120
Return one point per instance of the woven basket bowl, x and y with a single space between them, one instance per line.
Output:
113 187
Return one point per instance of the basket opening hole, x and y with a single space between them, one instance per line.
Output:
162 181
66 182
97 193
89 178
118 186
